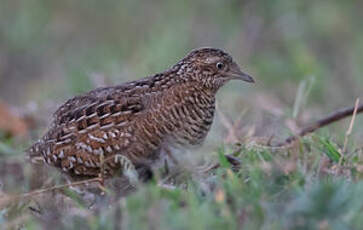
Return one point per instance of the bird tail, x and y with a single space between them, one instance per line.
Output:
33 154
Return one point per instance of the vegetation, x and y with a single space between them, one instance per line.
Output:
305 55
299 188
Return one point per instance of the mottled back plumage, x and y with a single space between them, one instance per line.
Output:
136 120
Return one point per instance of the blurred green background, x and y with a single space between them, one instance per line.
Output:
52 50
307 59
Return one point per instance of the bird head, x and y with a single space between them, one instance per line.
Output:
213 68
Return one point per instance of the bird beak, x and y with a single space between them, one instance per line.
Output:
236 73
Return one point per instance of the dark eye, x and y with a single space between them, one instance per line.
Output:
219 65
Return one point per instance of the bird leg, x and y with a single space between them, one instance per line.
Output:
169 153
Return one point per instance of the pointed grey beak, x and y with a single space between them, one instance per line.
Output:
241 76
236 73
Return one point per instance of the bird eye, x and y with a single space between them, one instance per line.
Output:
219 65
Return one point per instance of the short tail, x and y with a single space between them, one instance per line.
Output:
34 155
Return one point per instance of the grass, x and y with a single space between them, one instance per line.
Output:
304 187
305 55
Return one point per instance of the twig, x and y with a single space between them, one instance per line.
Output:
336 116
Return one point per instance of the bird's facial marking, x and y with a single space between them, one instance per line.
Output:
211 61
216 69
215 66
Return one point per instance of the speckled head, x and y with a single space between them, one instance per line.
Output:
214 67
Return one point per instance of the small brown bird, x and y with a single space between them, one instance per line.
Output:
139 119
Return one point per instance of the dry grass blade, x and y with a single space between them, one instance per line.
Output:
349 131
8 199
231 137
302 94
231 127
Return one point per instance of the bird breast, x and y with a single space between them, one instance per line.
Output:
186 115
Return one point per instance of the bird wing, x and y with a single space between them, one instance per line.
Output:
126 95
87 126
77 103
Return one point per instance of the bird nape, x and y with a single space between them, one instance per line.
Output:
136 122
